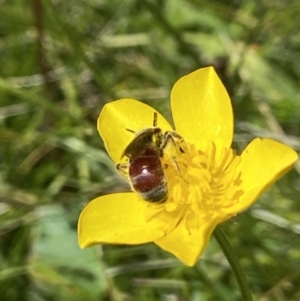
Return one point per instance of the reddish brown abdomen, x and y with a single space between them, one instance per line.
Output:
147 176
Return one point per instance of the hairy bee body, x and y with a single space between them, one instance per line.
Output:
144 168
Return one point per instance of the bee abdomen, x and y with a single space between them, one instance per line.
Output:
148 178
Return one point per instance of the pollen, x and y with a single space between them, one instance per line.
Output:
201 186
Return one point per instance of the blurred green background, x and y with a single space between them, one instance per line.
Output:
61 61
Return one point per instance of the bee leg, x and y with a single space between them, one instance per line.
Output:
122 168
174 139
176 145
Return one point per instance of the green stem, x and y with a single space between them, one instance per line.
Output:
234 262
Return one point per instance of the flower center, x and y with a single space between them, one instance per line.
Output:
200 186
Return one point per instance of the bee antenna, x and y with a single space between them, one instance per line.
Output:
155 119
131 131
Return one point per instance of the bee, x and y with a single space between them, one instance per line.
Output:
144 167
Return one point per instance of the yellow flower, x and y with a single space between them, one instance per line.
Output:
208 184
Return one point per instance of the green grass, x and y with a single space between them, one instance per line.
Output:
61 61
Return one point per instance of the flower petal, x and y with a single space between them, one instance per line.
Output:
263 162
118 116
202 109
116 218
187 246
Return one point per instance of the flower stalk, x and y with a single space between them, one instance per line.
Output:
234 263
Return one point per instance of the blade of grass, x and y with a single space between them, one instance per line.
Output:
69 33
234 263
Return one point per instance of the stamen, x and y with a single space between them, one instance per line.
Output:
203 189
